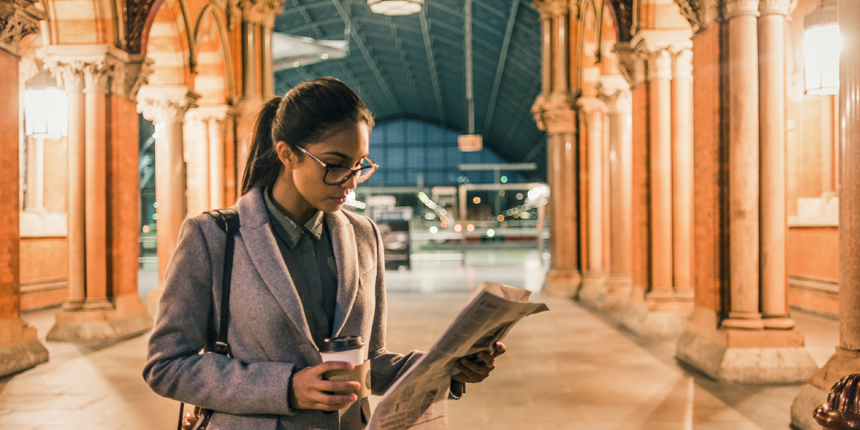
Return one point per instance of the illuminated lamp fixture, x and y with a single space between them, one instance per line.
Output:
395 7
821 46
45 107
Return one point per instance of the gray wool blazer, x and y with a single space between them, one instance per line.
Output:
268 333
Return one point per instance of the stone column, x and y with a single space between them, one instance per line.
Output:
656 307
682 172
217 130
19 347
660 149
249 59
546 51
743 113
846 360
554 113
561 43
96 79
205 158
594 279
166 107
774 285
196 155
619 108
70 76
95 184
563 277
727 338
267 65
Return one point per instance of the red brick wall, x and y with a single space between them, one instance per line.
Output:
44 259
710 178
124 197
639 243
9 234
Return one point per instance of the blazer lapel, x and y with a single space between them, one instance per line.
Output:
346 256
260 243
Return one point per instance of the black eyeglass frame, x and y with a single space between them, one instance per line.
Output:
353 170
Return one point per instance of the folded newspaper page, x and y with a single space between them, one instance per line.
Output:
418 399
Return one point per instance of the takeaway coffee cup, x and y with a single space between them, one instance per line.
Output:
350 349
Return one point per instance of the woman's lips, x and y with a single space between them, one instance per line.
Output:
340 200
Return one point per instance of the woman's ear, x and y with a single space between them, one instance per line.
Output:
285 153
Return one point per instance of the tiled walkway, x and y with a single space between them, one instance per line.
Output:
566 369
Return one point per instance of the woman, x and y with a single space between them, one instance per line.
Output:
303 270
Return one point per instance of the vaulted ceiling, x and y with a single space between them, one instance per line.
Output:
413 67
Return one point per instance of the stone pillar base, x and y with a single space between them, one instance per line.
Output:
22 356
593 290
561 283
618 291
766 364
658 314
653 323
130 318
809 398
843 363
20 349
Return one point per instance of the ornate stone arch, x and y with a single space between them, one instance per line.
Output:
214 77
170 44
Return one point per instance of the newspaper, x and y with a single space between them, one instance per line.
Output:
418 399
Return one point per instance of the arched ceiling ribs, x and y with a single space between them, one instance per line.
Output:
313 25
421 58
500 70
407 67
367 57
434 72
353 82
523 109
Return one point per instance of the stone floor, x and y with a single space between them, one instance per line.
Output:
566 369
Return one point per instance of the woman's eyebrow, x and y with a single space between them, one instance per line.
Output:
344 156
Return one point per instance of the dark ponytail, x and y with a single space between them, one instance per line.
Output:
306 114
263 164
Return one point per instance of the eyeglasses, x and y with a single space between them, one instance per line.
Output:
337 175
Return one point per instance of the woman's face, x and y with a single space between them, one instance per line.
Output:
346 147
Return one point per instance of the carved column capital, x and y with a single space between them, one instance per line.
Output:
18 18
70 76
97 75
558 119
544 8
591 105
774 7
100 68
615 92
735 8
682 66
660 65
260 11
207 113
160 104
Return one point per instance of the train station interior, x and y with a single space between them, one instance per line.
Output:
675 179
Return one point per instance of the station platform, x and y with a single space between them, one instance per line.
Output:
570 368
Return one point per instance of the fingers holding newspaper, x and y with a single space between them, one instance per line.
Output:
476 370
309 391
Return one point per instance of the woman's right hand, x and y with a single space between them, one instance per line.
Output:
309 390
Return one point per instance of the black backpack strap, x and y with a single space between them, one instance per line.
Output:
227 220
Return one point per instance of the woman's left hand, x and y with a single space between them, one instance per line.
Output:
471 372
